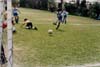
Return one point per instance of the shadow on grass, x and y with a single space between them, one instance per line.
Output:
60 30
51 35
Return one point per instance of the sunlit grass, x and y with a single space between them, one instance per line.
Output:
71 45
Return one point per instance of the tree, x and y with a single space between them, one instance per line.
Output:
71 8
37 4
83 8
78 3
51 5
22 3
94 11
15 2
61 4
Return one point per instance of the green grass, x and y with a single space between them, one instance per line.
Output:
71 45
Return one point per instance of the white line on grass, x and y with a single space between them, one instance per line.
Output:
74 24
87 65
86 24
84 65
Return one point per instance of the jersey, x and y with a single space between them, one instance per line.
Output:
15 12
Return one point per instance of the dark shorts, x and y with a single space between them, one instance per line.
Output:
65 16
29 25
15 14
60 18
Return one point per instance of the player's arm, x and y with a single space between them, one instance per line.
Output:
23 24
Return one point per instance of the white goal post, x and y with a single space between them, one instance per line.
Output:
9 33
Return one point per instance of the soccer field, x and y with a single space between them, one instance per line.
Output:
75 43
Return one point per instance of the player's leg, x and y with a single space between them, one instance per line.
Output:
17 19
58 25
65 17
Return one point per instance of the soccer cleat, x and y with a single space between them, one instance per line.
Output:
35 28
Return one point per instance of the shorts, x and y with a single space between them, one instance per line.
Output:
60 18
65 16
15 14
29 25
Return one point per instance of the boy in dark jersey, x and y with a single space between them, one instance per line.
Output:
59 16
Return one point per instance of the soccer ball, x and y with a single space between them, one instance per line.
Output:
50 31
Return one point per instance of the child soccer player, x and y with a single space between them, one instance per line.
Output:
59 16
28 24
64 16
4 25
16 14
14 29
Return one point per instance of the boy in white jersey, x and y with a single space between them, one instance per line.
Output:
28 24
16 14
64 16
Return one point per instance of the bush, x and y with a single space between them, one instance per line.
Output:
94 11
71 8
22 3
36 4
